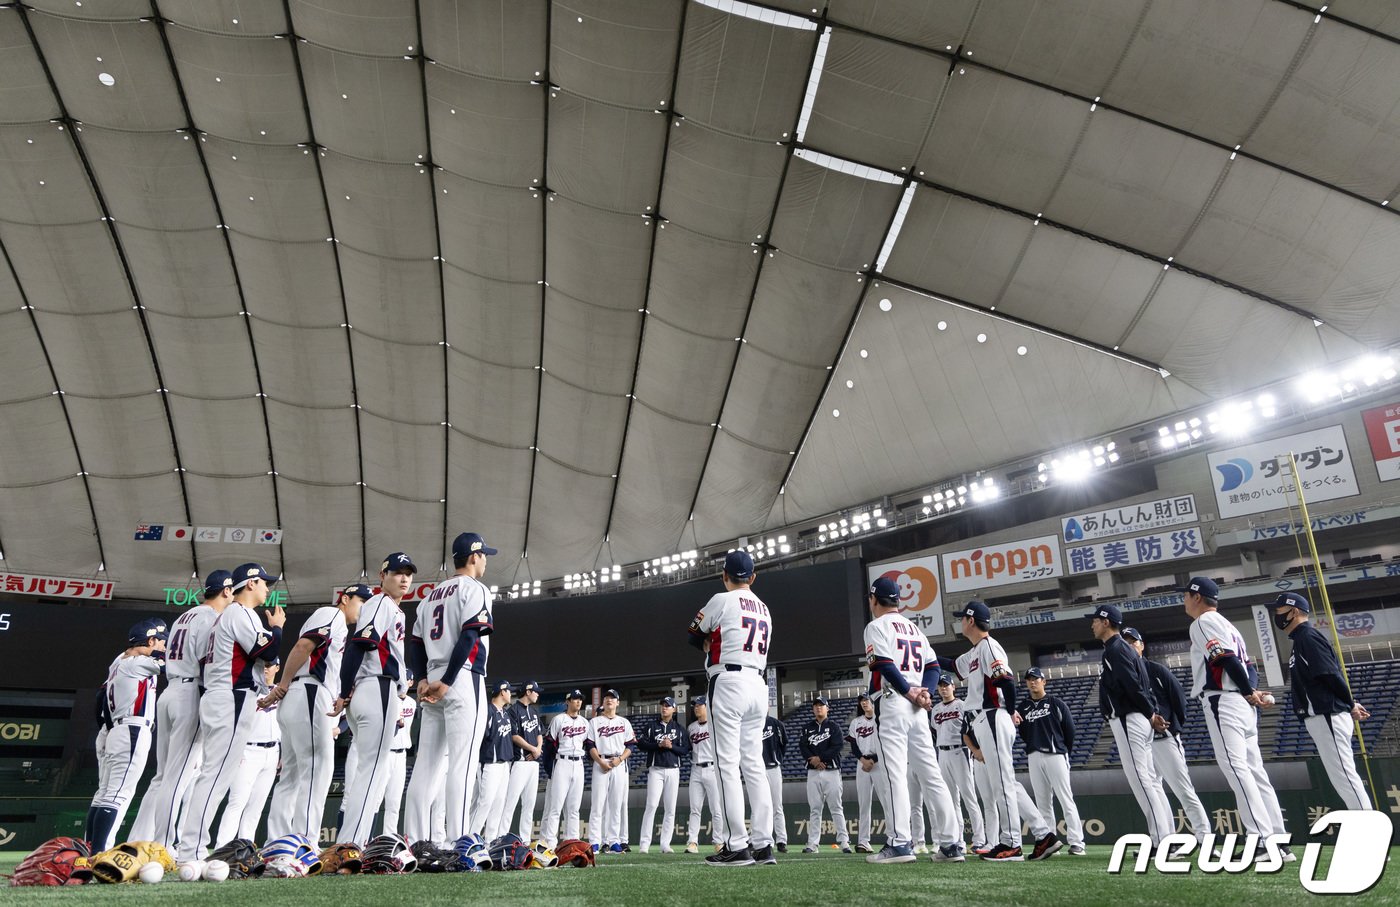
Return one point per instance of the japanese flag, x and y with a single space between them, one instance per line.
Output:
179 533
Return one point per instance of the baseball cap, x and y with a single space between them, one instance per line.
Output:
217 582
143 632
668 700
947 678
864 696
1202 584
531 687
1293 600
575 694
500 686
1109 613
360 591
470 543
397 561
699 700
738 564
1132 633
975 610
244 572
1035 673
885 590
611 694
820 700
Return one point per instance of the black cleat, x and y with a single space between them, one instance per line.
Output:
727 857
782 847
764 856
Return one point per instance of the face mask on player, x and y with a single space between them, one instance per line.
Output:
1283 620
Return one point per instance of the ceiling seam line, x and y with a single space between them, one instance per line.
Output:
192 134
340 283
58 392
70 126
655 219
761 247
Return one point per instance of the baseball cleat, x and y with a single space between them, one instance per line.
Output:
1076 850
1287 852
1004 854
731 858
809 849
764 856
782 847
692 847
921 848
616 848
949 853
864 848
846 848
893 853
644 848
1046 847
664 849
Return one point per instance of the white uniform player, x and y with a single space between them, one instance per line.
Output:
451 644
610 742
562 797
900 655
131 706
178 743
252 780
373 665
528 736
954 761
735 631
309 687
242 645
496 753
860 734
1220 679
704 780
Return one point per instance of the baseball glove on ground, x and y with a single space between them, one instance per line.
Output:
52 863
123 862
389 855
432 858
341 859
574 853
241 855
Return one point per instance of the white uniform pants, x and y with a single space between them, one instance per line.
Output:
225 721
662 786
918 816
991 822
865 791
1332 735
394 790
824 787
562 797
123 758
956 766
1234 733
177 763
1030 814
605 810
524 788
907 747
488 812
451 732
1169 756
775 791
1133 734
994 732
1050 780
247 795
738 711
100 746
308 759
374 715
438 814
704 788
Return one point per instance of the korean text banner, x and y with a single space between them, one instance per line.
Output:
1002 565
1167 545
1141 517
1256 477
920 592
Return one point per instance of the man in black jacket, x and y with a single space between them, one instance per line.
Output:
1047 729
775 744
1167 750
1321 698
1125 699
821 745
664 743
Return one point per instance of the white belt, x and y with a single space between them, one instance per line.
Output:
133 719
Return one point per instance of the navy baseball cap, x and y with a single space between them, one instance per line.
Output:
1293 600
975 610
244 572
611 694
469 543
360 591
820 700
531 687
699 700
885 590
217 582
738 564
397 561
144 632
1109 613
1132 633
947 678
865 696
500 686
1202 584
1034 673
668 700
575 694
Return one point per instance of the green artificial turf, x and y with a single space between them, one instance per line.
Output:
828 879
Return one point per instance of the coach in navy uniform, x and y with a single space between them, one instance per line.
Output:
1321 698
1047 729
775 743
664 743
820 743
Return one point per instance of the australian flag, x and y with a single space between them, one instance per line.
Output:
149 532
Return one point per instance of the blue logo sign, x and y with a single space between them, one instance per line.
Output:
1073 532
1234 473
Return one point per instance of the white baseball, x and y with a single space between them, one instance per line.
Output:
215 871
1269 699
192 871
151 873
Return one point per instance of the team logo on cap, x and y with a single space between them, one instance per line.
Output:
918 587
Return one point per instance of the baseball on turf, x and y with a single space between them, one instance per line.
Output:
152 873
215 871
192 871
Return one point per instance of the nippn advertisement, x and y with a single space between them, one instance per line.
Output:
920 592
1002 565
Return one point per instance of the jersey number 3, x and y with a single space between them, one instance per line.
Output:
756 626
436 631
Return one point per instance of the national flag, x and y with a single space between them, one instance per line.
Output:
179 533
208 534
149 532
268 537
238 535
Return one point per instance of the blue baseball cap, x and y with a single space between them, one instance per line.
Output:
217 582
575 694
245 572
975 610
885 590
668 700
469 543
1109 613
398 561
820 700
699 700
1203 585
1131 633
611 694
144 632
531 687
863 695
1293 600
360 591
500 687
1035 673
947 678
738 564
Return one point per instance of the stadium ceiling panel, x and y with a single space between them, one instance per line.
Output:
595 278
